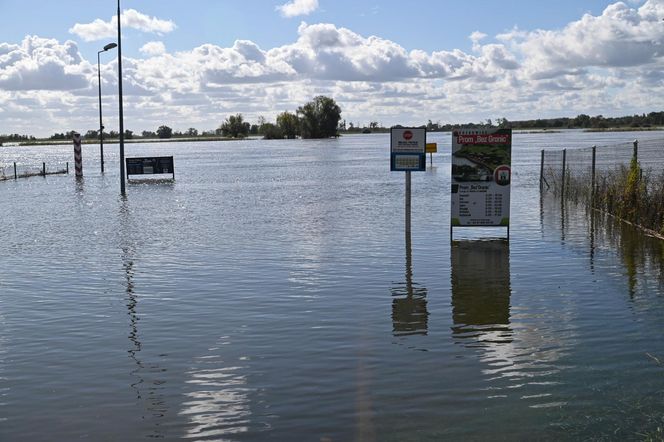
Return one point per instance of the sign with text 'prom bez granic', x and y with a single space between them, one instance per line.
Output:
407 149
481 176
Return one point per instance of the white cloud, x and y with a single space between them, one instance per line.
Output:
42 64
298 7
99 29
153 48
611 63
618 38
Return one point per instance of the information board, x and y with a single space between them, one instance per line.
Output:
481 176
407 149
150 166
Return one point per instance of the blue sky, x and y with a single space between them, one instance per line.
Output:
198 61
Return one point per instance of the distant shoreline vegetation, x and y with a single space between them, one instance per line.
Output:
321 118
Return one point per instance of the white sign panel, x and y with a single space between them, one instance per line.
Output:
407 149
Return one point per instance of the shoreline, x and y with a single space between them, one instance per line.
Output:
202 139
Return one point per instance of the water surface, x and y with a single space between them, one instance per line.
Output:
269 293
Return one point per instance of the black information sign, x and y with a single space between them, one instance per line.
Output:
150 166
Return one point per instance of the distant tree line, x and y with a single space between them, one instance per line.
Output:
582 121
15 138
321 118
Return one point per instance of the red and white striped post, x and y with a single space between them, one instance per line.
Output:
78 157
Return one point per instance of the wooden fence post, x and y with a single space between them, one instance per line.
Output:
635 153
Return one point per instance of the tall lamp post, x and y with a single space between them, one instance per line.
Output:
122 161
101 126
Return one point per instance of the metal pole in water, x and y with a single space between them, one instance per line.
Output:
15 174
592 179
541 170
562 186
408 204
122 159
44 169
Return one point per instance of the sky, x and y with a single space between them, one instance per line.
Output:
193 63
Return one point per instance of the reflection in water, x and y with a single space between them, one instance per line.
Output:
642 256
592 232
220 406
481 290
154 402
516 350
409 303
4 384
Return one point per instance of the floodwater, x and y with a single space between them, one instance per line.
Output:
269 293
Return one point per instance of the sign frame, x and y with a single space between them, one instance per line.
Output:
408 149
150 166
481 178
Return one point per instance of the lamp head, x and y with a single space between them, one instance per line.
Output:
110 46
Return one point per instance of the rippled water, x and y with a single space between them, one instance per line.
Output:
269 293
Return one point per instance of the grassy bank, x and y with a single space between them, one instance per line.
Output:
633 195
627 192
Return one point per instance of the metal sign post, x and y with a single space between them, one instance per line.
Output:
408 206
407 154
431 149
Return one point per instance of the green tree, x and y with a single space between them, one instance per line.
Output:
235 127
271 131
288 124
164 132
192 132
319 118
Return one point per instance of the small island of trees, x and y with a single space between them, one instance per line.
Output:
318 118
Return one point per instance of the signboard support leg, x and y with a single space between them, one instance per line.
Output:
407 204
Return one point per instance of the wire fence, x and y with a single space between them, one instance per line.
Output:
14 171
625 179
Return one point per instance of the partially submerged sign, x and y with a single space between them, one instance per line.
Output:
432 147
481 176
407 149
150 166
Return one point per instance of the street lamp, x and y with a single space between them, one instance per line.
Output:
101 126
122 165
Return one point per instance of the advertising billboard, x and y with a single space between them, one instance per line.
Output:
481 177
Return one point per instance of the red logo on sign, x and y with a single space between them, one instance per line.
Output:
407 135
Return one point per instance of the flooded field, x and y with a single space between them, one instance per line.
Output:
268 293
